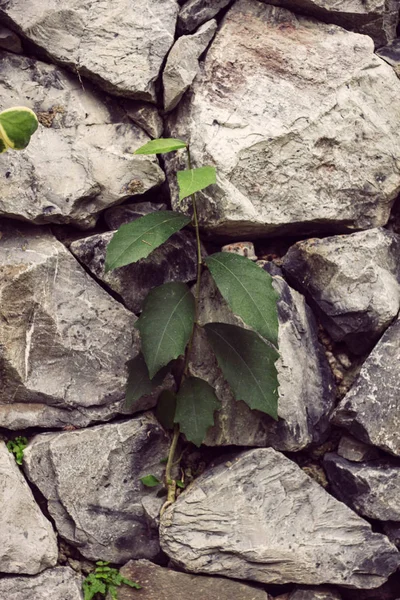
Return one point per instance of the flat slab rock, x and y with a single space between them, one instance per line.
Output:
370 410
95 495
313 594
28 543
353 282
120 46
371 489
80 161
261 518
302 122
61 583
173 585
63 340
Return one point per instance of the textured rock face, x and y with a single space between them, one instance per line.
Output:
81 135
376 18
175 586
306 391
323 160
95 496
352 281
371 411
63 340
27 541
309 594
391 54
371 489
61 583
352 449
263 519
120 46
196 12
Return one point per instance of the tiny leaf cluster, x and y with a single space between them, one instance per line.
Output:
17 447
105 580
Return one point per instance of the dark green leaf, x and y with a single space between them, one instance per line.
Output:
248 364
150 481
248 291
137 239
131 583
196 404
195 180
180 484
161 146
139 383
166 324
165 411
16 126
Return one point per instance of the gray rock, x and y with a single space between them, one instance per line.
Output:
182 63
63 340
120 46
196 12
262 519
61 583
391 54
9 40
175 586
355 450
314 594
306 390
145 116
80 161
371 489
118 215
275 111
370 410
175 260
95 496
376 18
28 543
352 281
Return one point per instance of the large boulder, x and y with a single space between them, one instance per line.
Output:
91 480
80 161
28 543
121 46
370 410
301 120
61 583
353 282
261 518
63 340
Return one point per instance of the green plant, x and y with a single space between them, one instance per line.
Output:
105 580
169 320
16 127
17 447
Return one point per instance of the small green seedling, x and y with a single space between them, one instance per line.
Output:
17 447
104 580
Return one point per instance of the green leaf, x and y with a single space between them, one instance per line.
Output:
195 180
165 324
137 239
150 481
16 127
180 484
248 291
165 411
131 583
248 365
161 146
139 383
196 404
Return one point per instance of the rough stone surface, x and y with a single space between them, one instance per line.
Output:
183 63
318 594
27 541
61 583
165 584
118 215
370 410
306 390
120 46
391 54
376 18
352 281
80 161
356 451
9 40
371 489
175 260
263 519
146 116
196 12
91 480
301 120
63 340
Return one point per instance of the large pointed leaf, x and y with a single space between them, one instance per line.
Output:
248 291
166 407
195 407
166 324
139 238
139 383
248 365
16 127
161 146
195 180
